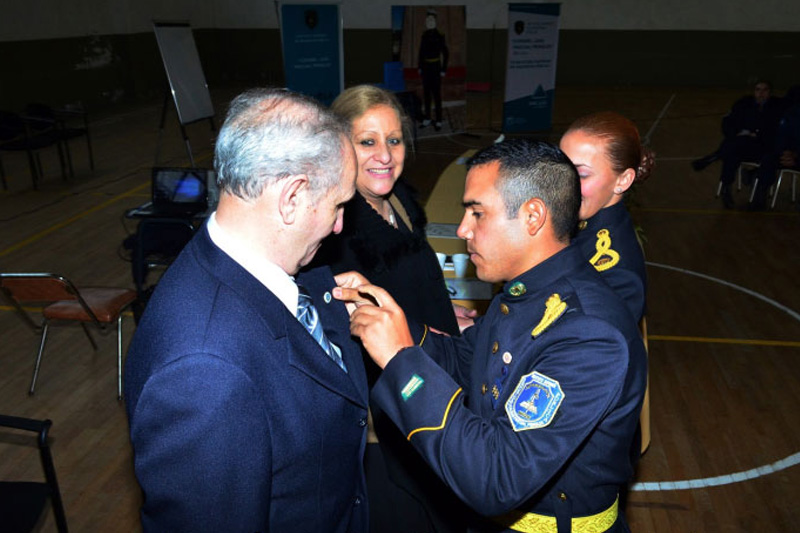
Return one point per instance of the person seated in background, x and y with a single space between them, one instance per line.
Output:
785 151
384 239
748 133
606 149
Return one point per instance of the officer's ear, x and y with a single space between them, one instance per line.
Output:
534 214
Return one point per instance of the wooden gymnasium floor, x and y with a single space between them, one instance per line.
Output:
723 314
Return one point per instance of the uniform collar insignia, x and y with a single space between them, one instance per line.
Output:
553 309
582 225
517 289
605 257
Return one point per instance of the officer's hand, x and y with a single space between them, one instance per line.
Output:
352 280
465 317
382 327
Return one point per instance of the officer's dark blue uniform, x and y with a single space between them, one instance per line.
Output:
609 242
553 377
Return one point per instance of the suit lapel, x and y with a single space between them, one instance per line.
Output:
336 323
303 351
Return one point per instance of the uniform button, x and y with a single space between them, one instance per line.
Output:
327 297
504 309
357 501
562 496
362 422
483 388
507 357
582 225
495 347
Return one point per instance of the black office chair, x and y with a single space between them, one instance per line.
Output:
22 503
157 243
30 136
64 122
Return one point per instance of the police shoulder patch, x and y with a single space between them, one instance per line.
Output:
534 402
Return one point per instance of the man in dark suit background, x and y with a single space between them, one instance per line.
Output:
244 414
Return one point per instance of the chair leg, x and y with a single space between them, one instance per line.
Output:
69 160
753 192
119 357
89 146
89 335
5 183
777 188
38 358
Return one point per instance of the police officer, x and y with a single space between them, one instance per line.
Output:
530 416
432 65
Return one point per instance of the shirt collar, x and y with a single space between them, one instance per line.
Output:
273 277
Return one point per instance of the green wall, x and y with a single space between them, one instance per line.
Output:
124 68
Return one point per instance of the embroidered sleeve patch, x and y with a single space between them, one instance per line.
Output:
413 385
534 402
605 257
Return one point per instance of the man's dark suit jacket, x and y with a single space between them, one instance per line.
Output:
239 420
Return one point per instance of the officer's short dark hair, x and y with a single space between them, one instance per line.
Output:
535 169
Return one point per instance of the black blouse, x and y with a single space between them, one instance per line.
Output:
398 259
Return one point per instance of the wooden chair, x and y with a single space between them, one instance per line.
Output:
644 418
22 503
61 301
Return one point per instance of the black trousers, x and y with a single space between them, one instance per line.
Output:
432 87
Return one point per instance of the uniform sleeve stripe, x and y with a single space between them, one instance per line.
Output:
444 418
424 335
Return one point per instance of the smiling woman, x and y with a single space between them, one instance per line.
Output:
384 239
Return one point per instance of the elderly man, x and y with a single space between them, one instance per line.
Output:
246 396
553 375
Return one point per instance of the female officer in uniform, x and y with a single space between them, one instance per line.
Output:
606 149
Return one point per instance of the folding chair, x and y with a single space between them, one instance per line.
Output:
22 503
61 120
62 301
30 136
794 173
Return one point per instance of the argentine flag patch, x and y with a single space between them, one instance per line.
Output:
534 402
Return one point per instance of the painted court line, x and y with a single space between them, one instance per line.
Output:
67 222
725 479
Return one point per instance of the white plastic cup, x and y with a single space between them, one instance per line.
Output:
460 262
442 258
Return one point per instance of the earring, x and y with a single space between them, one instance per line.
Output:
618 190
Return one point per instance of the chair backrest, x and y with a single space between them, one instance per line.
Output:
37 287
22 503
11 126
40 288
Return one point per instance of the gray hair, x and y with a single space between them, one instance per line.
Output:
269 134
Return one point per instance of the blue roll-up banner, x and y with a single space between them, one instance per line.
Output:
531 68
311 36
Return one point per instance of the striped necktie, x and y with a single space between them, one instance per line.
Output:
308 316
